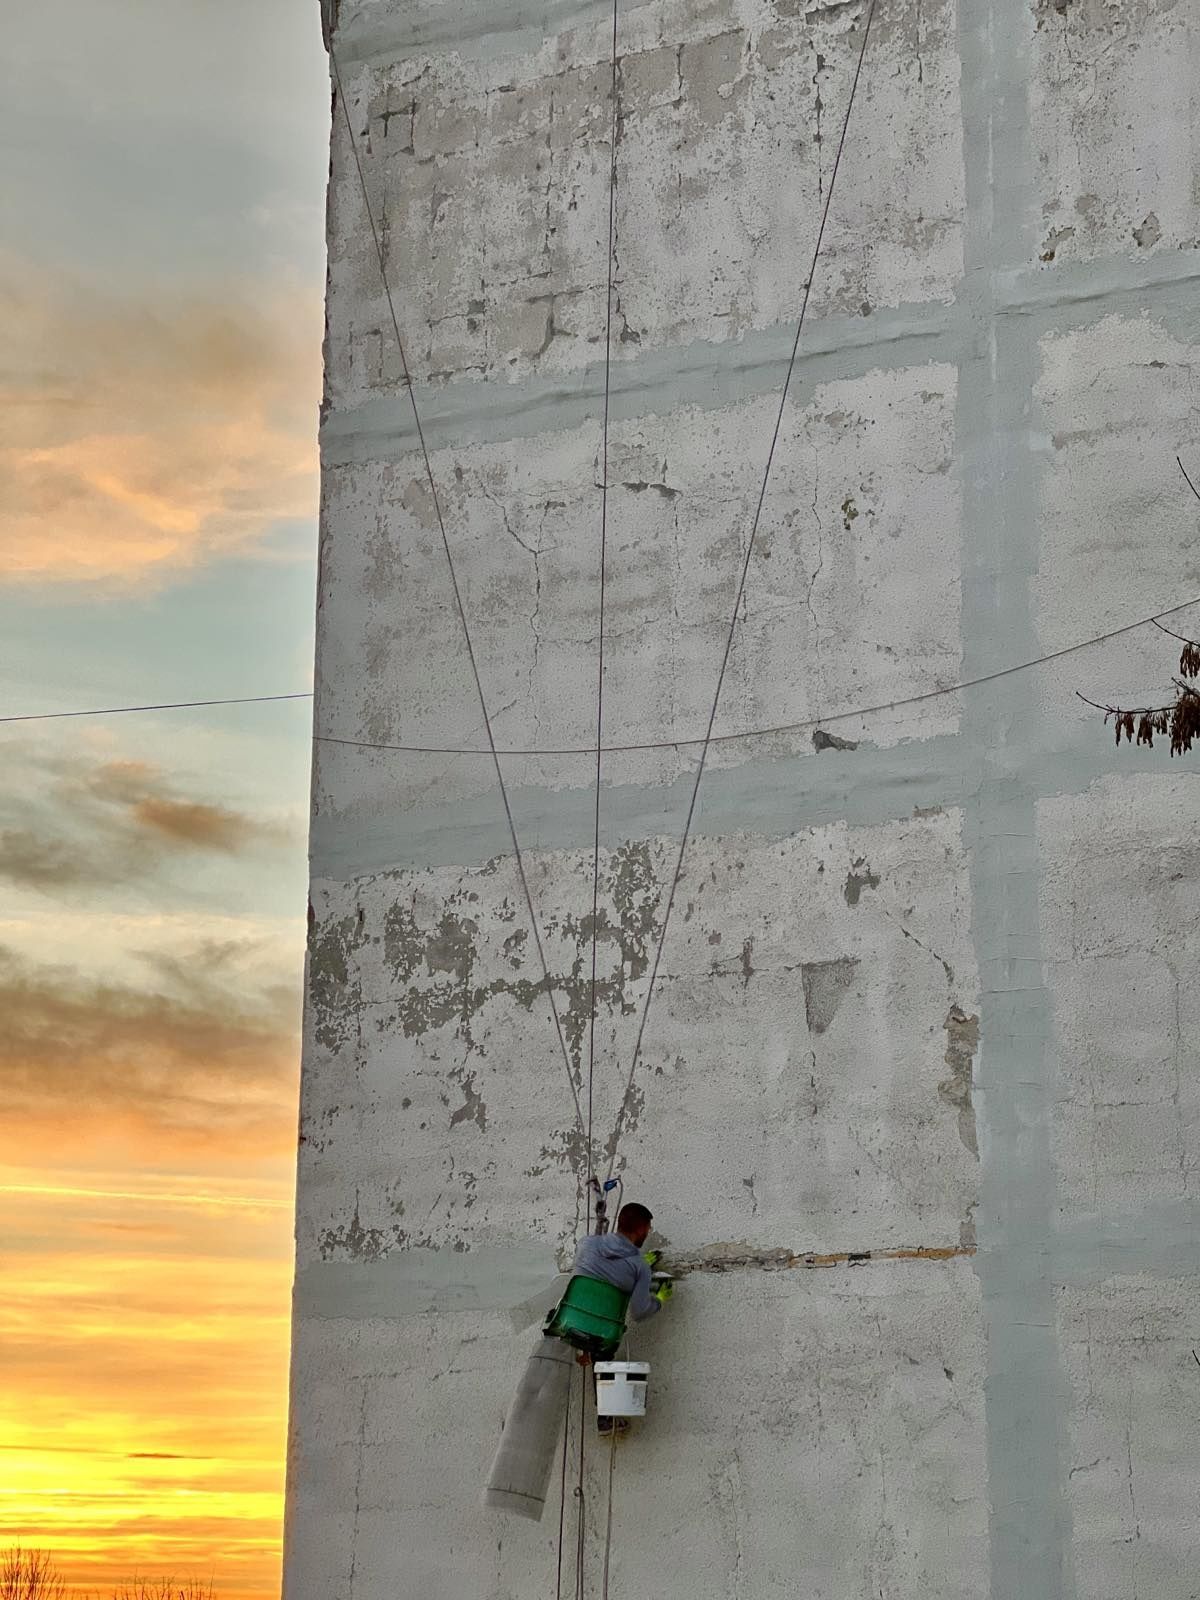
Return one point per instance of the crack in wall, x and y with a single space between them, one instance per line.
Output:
733 1257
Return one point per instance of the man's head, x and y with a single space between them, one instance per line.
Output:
633 1223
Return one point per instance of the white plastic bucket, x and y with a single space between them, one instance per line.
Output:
621 1388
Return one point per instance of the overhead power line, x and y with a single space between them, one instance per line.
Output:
165 705
737 736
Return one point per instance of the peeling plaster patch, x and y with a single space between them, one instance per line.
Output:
830 741
425 1280
353 1242
857 881
1149 233
473 1108
962 1041
641 485
1053 239
333 984
826 984
403 944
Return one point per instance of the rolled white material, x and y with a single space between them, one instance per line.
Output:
520 1473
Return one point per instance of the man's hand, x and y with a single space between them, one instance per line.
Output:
652 1258
663 1292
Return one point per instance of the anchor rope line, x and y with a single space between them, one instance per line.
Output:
608 1527
562 1489
580 1498
612 207
458 600
623 1109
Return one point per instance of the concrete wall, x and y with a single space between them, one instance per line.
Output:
926 998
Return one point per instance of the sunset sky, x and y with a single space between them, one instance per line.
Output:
163 165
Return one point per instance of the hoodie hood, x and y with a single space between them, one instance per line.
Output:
615 1247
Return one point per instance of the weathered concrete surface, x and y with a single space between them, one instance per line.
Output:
916 1111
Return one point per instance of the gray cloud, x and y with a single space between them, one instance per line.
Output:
202 1051
72 823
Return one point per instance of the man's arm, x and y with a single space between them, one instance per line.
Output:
643 1304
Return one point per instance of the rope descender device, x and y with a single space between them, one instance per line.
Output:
602 1192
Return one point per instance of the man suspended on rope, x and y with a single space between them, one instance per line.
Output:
611 1279
618 1258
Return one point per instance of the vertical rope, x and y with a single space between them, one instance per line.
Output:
612 1458
580 1528
562 1496
458 600
612 208
741 589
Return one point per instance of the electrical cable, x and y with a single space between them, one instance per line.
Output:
458 600
737 736
166 705
612 201
776 730
623 1108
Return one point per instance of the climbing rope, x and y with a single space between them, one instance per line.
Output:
612 1459
625 1353
458 600
580 1500
623 1109
562 1492
612 206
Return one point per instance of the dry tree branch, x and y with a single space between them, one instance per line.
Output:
30 1575
1181 717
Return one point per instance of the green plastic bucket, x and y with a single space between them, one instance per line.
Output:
590 1316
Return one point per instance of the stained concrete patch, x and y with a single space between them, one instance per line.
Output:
1133 1420
962 1041
414 1283
1090 123
1120 902
859 877
826 985
821 740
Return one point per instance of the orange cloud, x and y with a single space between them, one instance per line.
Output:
138 437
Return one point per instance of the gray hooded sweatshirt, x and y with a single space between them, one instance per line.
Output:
614 1259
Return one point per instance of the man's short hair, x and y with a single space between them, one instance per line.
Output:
633 1216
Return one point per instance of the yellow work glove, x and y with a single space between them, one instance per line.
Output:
663 1292
652 1258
